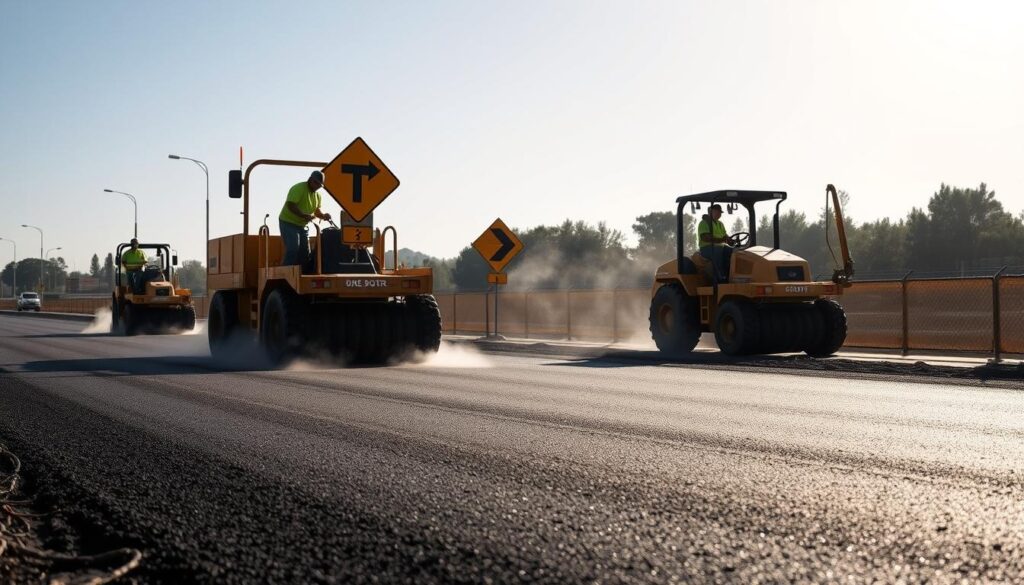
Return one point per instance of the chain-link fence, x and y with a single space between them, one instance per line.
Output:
87 304
983 314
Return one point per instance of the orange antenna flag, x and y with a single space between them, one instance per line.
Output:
240 152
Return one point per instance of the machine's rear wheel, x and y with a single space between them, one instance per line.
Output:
834 331
281 326
133 316
115 314
737 328
187 320
675 321
426 317
222 322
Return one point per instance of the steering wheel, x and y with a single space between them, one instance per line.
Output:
740 239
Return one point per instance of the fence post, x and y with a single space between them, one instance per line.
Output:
487 312
906 321
526 314
568 315
997 329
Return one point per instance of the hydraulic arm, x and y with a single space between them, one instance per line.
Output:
840 276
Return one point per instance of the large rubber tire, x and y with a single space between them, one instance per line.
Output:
835 328
132 320
282 324
737 328
675 321
187 319
222 322
115 314
788 327
425 316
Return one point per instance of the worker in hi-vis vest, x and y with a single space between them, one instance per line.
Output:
714 242
301 207
134 260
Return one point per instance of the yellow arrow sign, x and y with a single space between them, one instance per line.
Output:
358 180
498 245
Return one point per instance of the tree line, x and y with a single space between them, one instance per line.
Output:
961 230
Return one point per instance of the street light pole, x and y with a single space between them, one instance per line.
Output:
53 281
134 203
206 171
14 272
40 251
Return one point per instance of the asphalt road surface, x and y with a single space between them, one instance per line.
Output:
507 468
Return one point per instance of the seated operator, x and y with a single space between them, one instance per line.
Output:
715 242
134 260
300 208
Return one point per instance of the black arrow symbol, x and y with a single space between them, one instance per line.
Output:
369 170
506 245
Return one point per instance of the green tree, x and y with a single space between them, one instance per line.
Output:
443 273
29 273
963 227
94 266
880 246
469 271
108 270
192 275
656 235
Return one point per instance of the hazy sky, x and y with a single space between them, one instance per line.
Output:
532 111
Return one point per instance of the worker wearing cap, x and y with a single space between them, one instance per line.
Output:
301 207
134 260
714 241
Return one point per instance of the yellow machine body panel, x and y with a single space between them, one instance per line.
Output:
159 293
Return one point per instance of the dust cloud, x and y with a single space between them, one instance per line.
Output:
451 355
199 329
101 322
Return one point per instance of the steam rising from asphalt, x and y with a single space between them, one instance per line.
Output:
100 322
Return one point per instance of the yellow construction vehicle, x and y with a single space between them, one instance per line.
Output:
344 303
765 302
152 302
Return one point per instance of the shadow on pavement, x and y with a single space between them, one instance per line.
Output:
634 358
626 359
65 335
177 365
147 366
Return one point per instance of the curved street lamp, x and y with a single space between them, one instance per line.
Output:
40 230
134 203
14 272
206 171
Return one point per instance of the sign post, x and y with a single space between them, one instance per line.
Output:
498 245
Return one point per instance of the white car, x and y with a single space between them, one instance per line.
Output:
29 301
